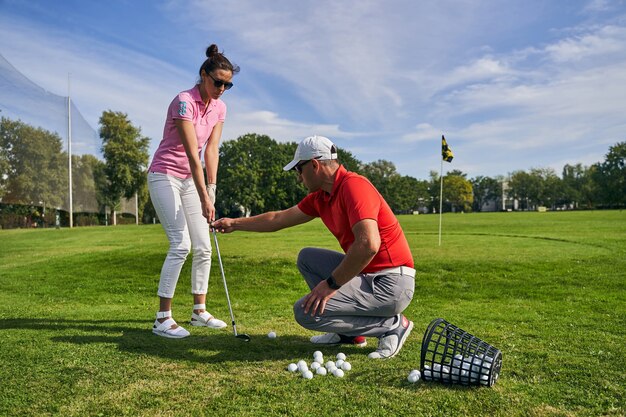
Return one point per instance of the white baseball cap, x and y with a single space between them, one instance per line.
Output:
313 147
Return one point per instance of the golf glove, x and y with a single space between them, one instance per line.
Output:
211 188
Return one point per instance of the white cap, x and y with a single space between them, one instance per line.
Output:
313 147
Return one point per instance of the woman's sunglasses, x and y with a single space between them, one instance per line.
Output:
219 83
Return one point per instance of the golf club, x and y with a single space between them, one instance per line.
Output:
241 336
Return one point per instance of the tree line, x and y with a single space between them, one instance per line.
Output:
34 179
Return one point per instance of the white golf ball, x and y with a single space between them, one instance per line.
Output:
330 364
321 371
315 365
303 367
292 367
307 375
332 369
341 356
317 354
301 362
339 362
346 366
414 377
271 335
338 373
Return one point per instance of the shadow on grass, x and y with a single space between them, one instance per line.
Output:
204 345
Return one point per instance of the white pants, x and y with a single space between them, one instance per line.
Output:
177 204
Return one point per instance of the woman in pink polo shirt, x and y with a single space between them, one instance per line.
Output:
182 199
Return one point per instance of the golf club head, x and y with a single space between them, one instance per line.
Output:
243 337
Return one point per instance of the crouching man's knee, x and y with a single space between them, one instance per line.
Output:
303 319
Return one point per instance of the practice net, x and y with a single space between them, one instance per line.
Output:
34 162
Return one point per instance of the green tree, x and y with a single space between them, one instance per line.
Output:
251 179
485 189
550 186
125 152
406 193
573 177
349 161
84 168
610 176
33 165
391 185
457 192
525 187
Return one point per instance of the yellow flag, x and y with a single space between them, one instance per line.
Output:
446 152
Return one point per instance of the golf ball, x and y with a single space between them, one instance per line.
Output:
301 363
292 367
414 377
317 354
339 363
332 369
271 335
321 371
341 356
338 373
307 375
346 366
315 365
330 364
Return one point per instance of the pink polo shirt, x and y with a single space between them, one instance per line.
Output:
170 157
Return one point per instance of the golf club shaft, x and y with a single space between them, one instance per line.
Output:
219 257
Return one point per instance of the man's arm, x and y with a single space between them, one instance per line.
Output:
365 247
266 222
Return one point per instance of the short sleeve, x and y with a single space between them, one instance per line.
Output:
307 205
182 107
222 114
361 199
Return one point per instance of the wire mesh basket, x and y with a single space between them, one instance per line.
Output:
454 356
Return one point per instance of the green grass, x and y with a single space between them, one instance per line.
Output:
547 289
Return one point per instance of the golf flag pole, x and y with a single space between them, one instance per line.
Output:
446 155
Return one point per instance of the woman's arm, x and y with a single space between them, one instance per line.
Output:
189 140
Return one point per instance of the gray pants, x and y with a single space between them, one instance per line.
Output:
368 305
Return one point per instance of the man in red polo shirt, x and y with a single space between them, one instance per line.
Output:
363 291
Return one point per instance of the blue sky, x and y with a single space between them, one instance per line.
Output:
512 84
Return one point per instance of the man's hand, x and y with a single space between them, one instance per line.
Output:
317 298
224 225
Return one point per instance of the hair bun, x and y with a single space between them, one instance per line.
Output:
212 51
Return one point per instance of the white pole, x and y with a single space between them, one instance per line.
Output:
69 149
136 209
440 198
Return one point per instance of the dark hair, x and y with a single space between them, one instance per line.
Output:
216 60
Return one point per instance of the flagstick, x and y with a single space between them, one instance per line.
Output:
440 198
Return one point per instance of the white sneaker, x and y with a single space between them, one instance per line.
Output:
166 329
205 319
391 342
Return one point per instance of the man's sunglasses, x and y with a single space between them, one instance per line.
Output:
219 83
299 166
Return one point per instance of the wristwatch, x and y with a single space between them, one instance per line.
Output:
332 283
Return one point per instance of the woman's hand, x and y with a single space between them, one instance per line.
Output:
208 209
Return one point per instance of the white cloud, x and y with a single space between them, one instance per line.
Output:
386 82
608 40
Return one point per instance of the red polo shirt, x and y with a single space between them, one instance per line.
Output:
352 199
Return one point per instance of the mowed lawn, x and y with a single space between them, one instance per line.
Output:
547 289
